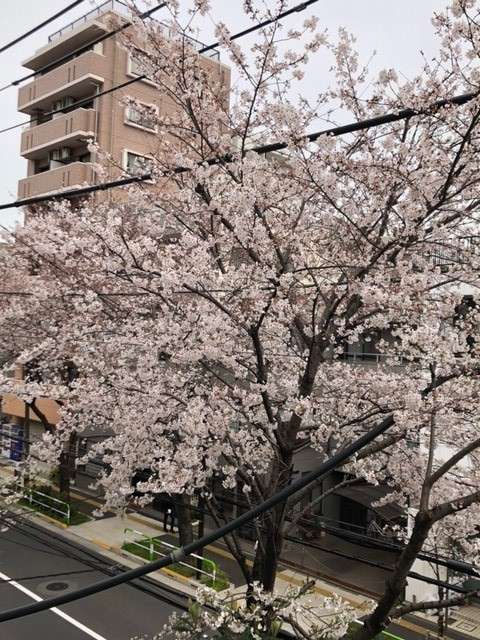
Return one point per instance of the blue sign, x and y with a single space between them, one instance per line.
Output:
16 446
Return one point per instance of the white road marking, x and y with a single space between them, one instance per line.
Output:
61 614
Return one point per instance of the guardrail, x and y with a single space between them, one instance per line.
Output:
150 544
49 503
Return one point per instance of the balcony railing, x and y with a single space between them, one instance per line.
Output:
69 175
444 256
76 123
365 358
90 65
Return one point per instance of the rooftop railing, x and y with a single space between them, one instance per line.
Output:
109 5
121 8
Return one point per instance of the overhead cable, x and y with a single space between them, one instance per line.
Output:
360 125
82 49
41 25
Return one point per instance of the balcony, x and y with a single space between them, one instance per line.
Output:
75 78
73 36
66 176
69 129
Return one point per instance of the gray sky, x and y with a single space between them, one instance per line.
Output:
396 30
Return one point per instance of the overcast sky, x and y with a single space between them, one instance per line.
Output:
396 30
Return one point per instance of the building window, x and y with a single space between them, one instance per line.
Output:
135 63
135 66
136 164
143 116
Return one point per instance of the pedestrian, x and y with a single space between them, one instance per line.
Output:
168 519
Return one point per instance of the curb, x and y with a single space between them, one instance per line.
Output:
60 525
148 522
103 545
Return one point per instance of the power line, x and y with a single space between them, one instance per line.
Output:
127 83
451 564
370 123
360 125
47 575
411 574
82 49
85 556
180 554
122 182
296 9
385 545
456 565
39 26
105 36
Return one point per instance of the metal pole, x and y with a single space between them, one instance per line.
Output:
201 532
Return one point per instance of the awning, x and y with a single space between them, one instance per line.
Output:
365 494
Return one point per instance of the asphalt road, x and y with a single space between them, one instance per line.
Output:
29 559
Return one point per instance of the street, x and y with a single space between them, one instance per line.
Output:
34 565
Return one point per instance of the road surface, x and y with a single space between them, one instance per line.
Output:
36 564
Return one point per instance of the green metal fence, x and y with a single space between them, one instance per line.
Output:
44 502
151 544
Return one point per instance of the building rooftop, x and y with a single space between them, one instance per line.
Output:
123 10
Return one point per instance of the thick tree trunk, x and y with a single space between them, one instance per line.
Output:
183 508
268 550
379 619
66 468
270 528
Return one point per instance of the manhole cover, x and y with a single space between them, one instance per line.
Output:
57 586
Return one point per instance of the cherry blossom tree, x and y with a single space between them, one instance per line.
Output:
209 313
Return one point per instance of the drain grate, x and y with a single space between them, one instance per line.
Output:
57 586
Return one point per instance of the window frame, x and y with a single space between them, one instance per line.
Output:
131 123
126 153
132 74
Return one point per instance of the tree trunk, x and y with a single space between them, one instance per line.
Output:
268 549
64 477
67 468
270 526
441 615
394 585
183 509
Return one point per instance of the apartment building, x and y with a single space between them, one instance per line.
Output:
56 145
